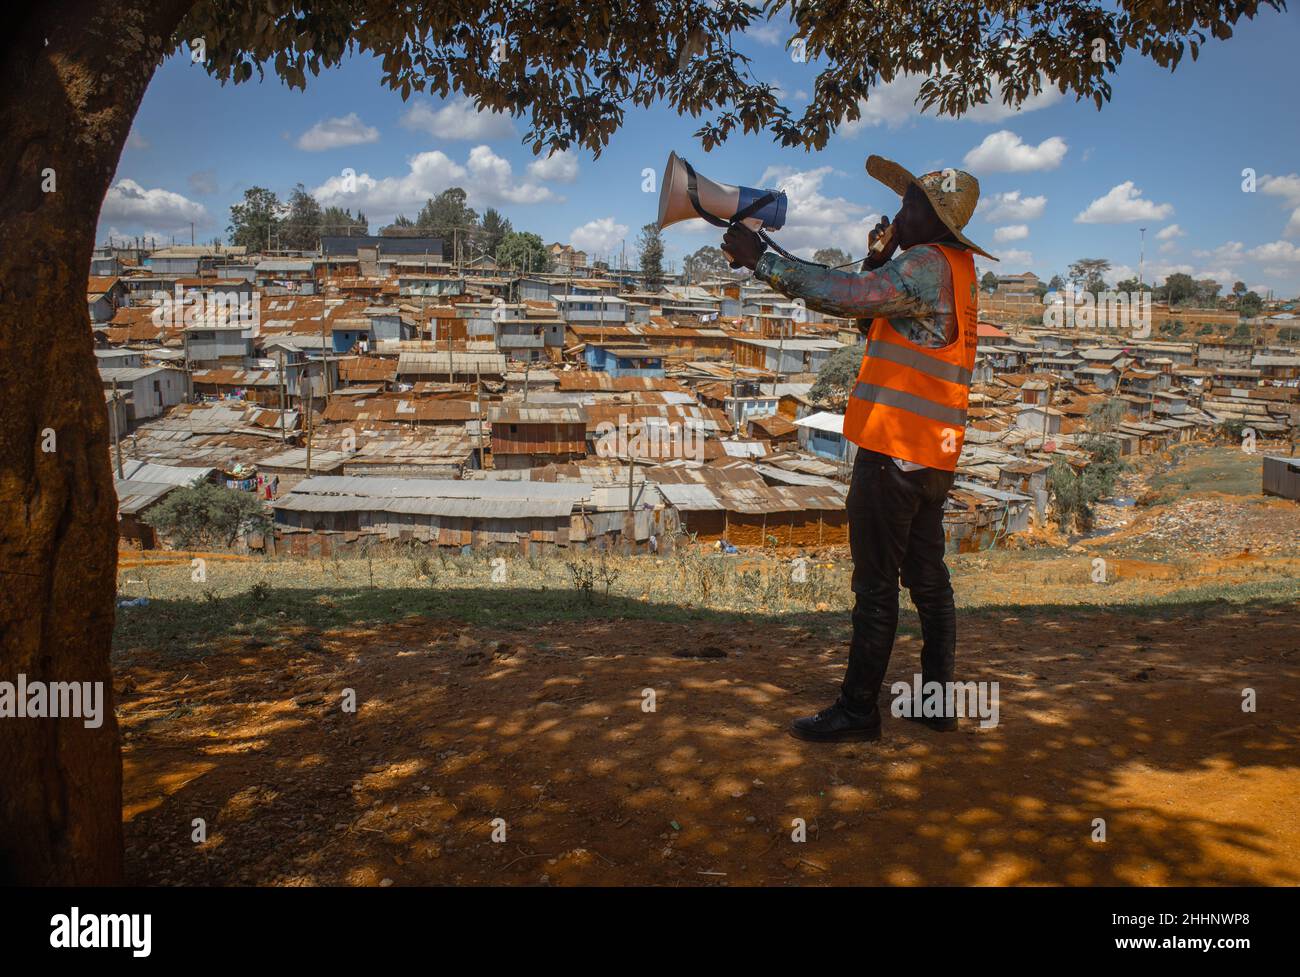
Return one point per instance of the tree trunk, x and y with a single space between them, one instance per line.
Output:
71 78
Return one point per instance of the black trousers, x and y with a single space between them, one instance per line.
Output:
896 531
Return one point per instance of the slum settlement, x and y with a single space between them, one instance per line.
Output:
378 390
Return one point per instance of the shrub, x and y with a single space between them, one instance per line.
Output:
207 515
837 377
1075 493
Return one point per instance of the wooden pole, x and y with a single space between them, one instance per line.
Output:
306 376
284 437
630 465
324 356
478 384
117 437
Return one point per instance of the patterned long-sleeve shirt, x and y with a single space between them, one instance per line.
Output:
913 291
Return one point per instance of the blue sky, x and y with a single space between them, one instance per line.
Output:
1059 179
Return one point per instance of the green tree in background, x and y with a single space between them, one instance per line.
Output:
493 230
1089 274
524 252
254 222
706 262
837 376
1179 288
337 222
831 257
207 515
301 228
650 246
402 226
1076 493
449 217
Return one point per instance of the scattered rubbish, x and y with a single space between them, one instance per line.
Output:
133 602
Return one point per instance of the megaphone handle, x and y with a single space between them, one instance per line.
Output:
756 225
767 239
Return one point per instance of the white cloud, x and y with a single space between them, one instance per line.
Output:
1010 206
1117 273
559 167
1011 260
344 130
151 236
894 103
814 220
1224 276
1288 188
1159 271
1122 203
457 119
890 105
768 33
1012 232
1228 253
1170 232
126 200
487 178
1004 151
598 237
1276 251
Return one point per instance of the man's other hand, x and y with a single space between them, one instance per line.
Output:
874 260
742 247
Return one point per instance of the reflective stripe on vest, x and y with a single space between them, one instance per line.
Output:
910 402
906 356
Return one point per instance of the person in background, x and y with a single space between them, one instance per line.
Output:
907 415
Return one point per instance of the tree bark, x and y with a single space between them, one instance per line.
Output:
72 75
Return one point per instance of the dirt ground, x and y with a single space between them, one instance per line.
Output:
1133 716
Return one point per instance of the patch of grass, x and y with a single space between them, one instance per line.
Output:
1202 468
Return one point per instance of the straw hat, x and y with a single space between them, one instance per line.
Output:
954 207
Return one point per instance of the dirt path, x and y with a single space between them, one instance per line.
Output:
1136 721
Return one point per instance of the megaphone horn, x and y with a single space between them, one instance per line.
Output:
686 195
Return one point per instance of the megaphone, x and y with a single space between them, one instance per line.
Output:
687 194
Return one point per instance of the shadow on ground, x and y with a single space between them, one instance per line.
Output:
529 707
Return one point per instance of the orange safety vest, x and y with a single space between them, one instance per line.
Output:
910 401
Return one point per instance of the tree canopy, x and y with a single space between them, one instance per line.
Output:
574 67
705 262
650 246
207 515
1088 274
837 377
494 228
253 221
523 251
831 257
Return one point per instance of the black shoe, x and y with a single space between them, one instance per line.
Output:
941 724
836 724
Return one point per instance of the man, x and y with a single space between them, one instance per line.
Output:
907 414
